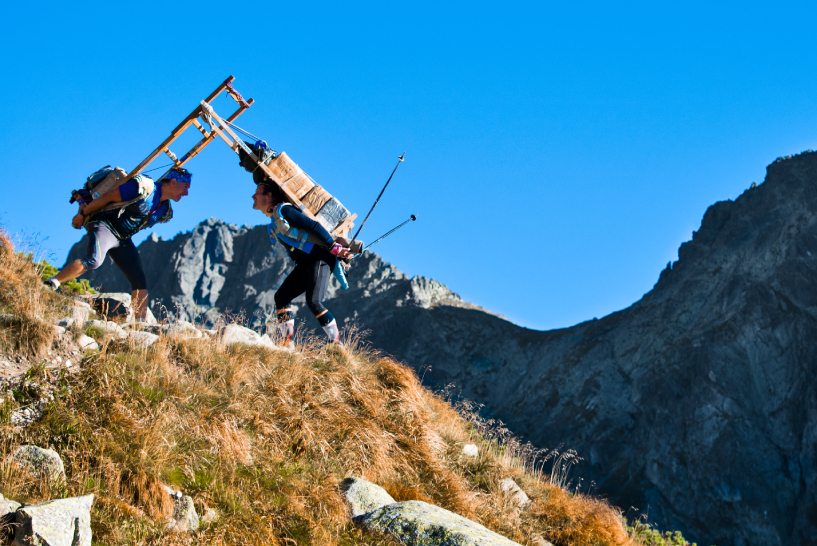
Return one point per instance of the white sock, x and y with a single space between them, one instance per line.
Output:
331 330
53 282
286 329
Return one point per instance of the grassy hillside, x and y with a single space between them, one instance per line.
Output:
263 437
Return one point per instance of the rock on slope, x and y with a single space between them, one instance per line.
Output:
697 403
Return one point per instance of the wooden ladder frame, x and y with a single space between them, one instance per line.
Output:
223 130
192 119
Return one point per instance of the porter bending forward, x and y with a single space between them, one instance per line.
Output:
110 231
314 252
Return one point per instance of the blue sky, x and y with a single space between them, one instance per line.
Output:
557 155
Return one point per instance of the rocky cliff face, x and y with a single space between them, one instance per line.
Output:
696 404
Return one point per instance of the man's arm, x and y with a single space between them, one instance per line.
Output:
108 197
126 192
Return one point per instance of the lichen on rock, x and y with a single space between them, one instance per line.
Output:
363 496
416 523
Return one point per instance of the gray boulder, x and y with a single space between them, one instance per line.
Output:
7 506
416 523
182 329
235 333
77 312
143 339
363 496
509 487
185 519
62 522
39 462
87 343
109 326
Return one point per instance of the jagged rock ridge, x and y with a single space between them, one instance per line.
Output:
696 403
220 267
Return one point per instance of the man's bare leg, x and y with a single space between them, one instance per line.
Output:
71 271
139 302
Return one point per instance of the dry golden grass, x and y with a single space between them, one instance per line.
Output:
23 296
265 437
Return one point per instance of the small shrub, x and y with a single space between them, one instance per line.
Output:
643 534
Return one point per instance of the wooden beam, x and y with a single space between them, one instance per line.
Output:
291 197
201 129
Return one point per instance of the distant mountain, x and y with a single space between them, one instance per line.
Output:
696 404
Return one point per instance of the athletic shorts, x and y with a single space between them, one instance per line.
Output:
101 243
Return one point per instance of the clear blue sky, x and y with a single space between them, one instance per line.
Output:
557 153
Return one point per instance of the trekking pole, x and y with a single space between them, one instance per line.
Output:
378 199
389 233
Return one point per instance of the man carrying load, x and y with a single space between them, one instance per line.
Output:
314 252
145 204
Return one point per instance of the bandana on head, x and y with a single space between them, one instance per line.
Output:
184 178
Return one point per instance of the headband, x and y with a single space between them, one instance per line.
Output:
184 178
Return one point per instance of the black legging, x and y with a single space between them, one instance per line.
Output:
311 277
102 242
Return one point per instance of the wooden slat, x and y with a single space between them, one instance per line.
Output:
172 157
201 129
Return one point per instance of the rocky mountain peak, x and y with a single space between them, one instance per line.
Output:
697 403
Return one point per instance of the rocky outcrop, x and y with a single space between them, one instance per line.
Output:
364 497
62 522
696 404
416 523
185 519
511 488
39 463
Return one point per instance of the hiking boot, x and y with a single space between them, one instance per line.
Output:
52 283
